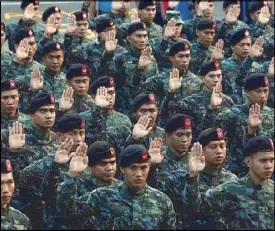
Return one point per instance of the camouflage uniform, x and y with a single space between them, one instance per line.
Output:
128 78
6 55
194 106
239 204
234 123
173 186
117 208
12 219
7 121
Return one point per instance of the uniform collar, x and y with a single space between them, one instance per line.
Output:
199 44
6 116
212 171
251 183
171 155
39 134
206 93
5 212
131 192
90 179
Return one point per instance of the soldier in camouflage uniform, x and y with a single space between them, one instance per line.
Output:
130 205
179 55
236 120
130 69
214 150
196 105
11 219
247 203
30 9
5 55
9 106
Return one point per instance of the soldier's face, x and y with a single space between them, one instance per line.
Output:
255 15
259 96
178 31
138 40
81 28
211 79
208 13
179 141
261 165
7 189
3 38
241 49
80 85
58 20
181 60
148 14
77 135
206 37
136 175
125 5
53 61
44 117
238 5
36 10
9 101
149 110
215 153
105 170
104 33
32 50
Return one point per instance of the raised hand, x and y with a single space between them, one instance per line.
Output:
71 28
218 52
37 80
111 42
203 6
16 136
116 5
79 162
141 128
264 16
196 161
66 101
29 13
257 49
175 80
63 155
22 51
255 116
170 29
155 151
102 100
173 4
216 98
50 28
271 68
145 58
135 18
232 15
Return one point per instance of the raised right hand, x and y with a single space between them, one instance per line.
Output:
216 98
63 155
111 42
102 100
173 4
271 68
264 16
22 51
79 162
16 136
50 28
71 28
66 101
141 128
218 52
232 15
170 29
37 80
155 151
175 80
255 116
29 13
196 161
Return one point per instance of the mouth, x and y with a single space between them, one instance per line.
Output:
269 173
138 181
109 175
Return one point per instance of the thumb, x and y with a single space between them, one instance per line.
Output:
71 155
149 129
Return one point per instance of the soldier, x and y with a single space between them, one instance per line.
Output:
11 219
236 202
5 54
214 150
30 9
131 205
196 105
237 120
9 106
130 69
179 55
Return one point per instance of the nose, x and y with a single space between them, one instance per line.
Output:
10 101
109 167
4 189
48 115
219 150
138 173
268 165
77 138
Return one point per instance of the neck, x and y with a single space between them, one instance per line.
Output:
108 111
44 131
4 206
12 114
182 72
213 166
29 60
206 89
206 46
239 59
257 179
177 154
135 50
52 72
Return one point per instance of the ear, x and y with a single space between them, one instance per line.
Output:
59 135
198 33
171 59
202 78
248 161
168 137
129 39
122 169
247 92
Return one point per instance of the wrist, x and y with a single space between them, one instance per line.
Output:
73 174
170 91
193 174
211 107
47 36
17 60
251 130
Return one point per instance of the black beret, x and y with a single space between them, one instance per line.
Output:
3 26
81 16
259 144
25 3
23 33
6 166
48 12
255 81
99 151
227 3
208 66
8 85
40 101
70 122
77 70
103 23
254 6
144 3
52 46
205 24
177 121
132 154
209 135
238 35
104 81
143 99
177 47
136 26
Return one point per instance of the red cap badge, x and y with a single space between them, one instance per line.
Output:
271 143
51 98
265 3
154 2
144 155
219 133
214 25
36 2
84 70
56 9
217 65
12 84
187 122
8 166
151 98
266 81
111 83
30 32
84 15
112 151
82 125
58 46
246 33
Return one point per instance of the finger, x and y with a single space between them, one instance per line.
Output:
272 61
23 137
71 92
10 131
253 109
17 128
20 128
214 90
147 121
